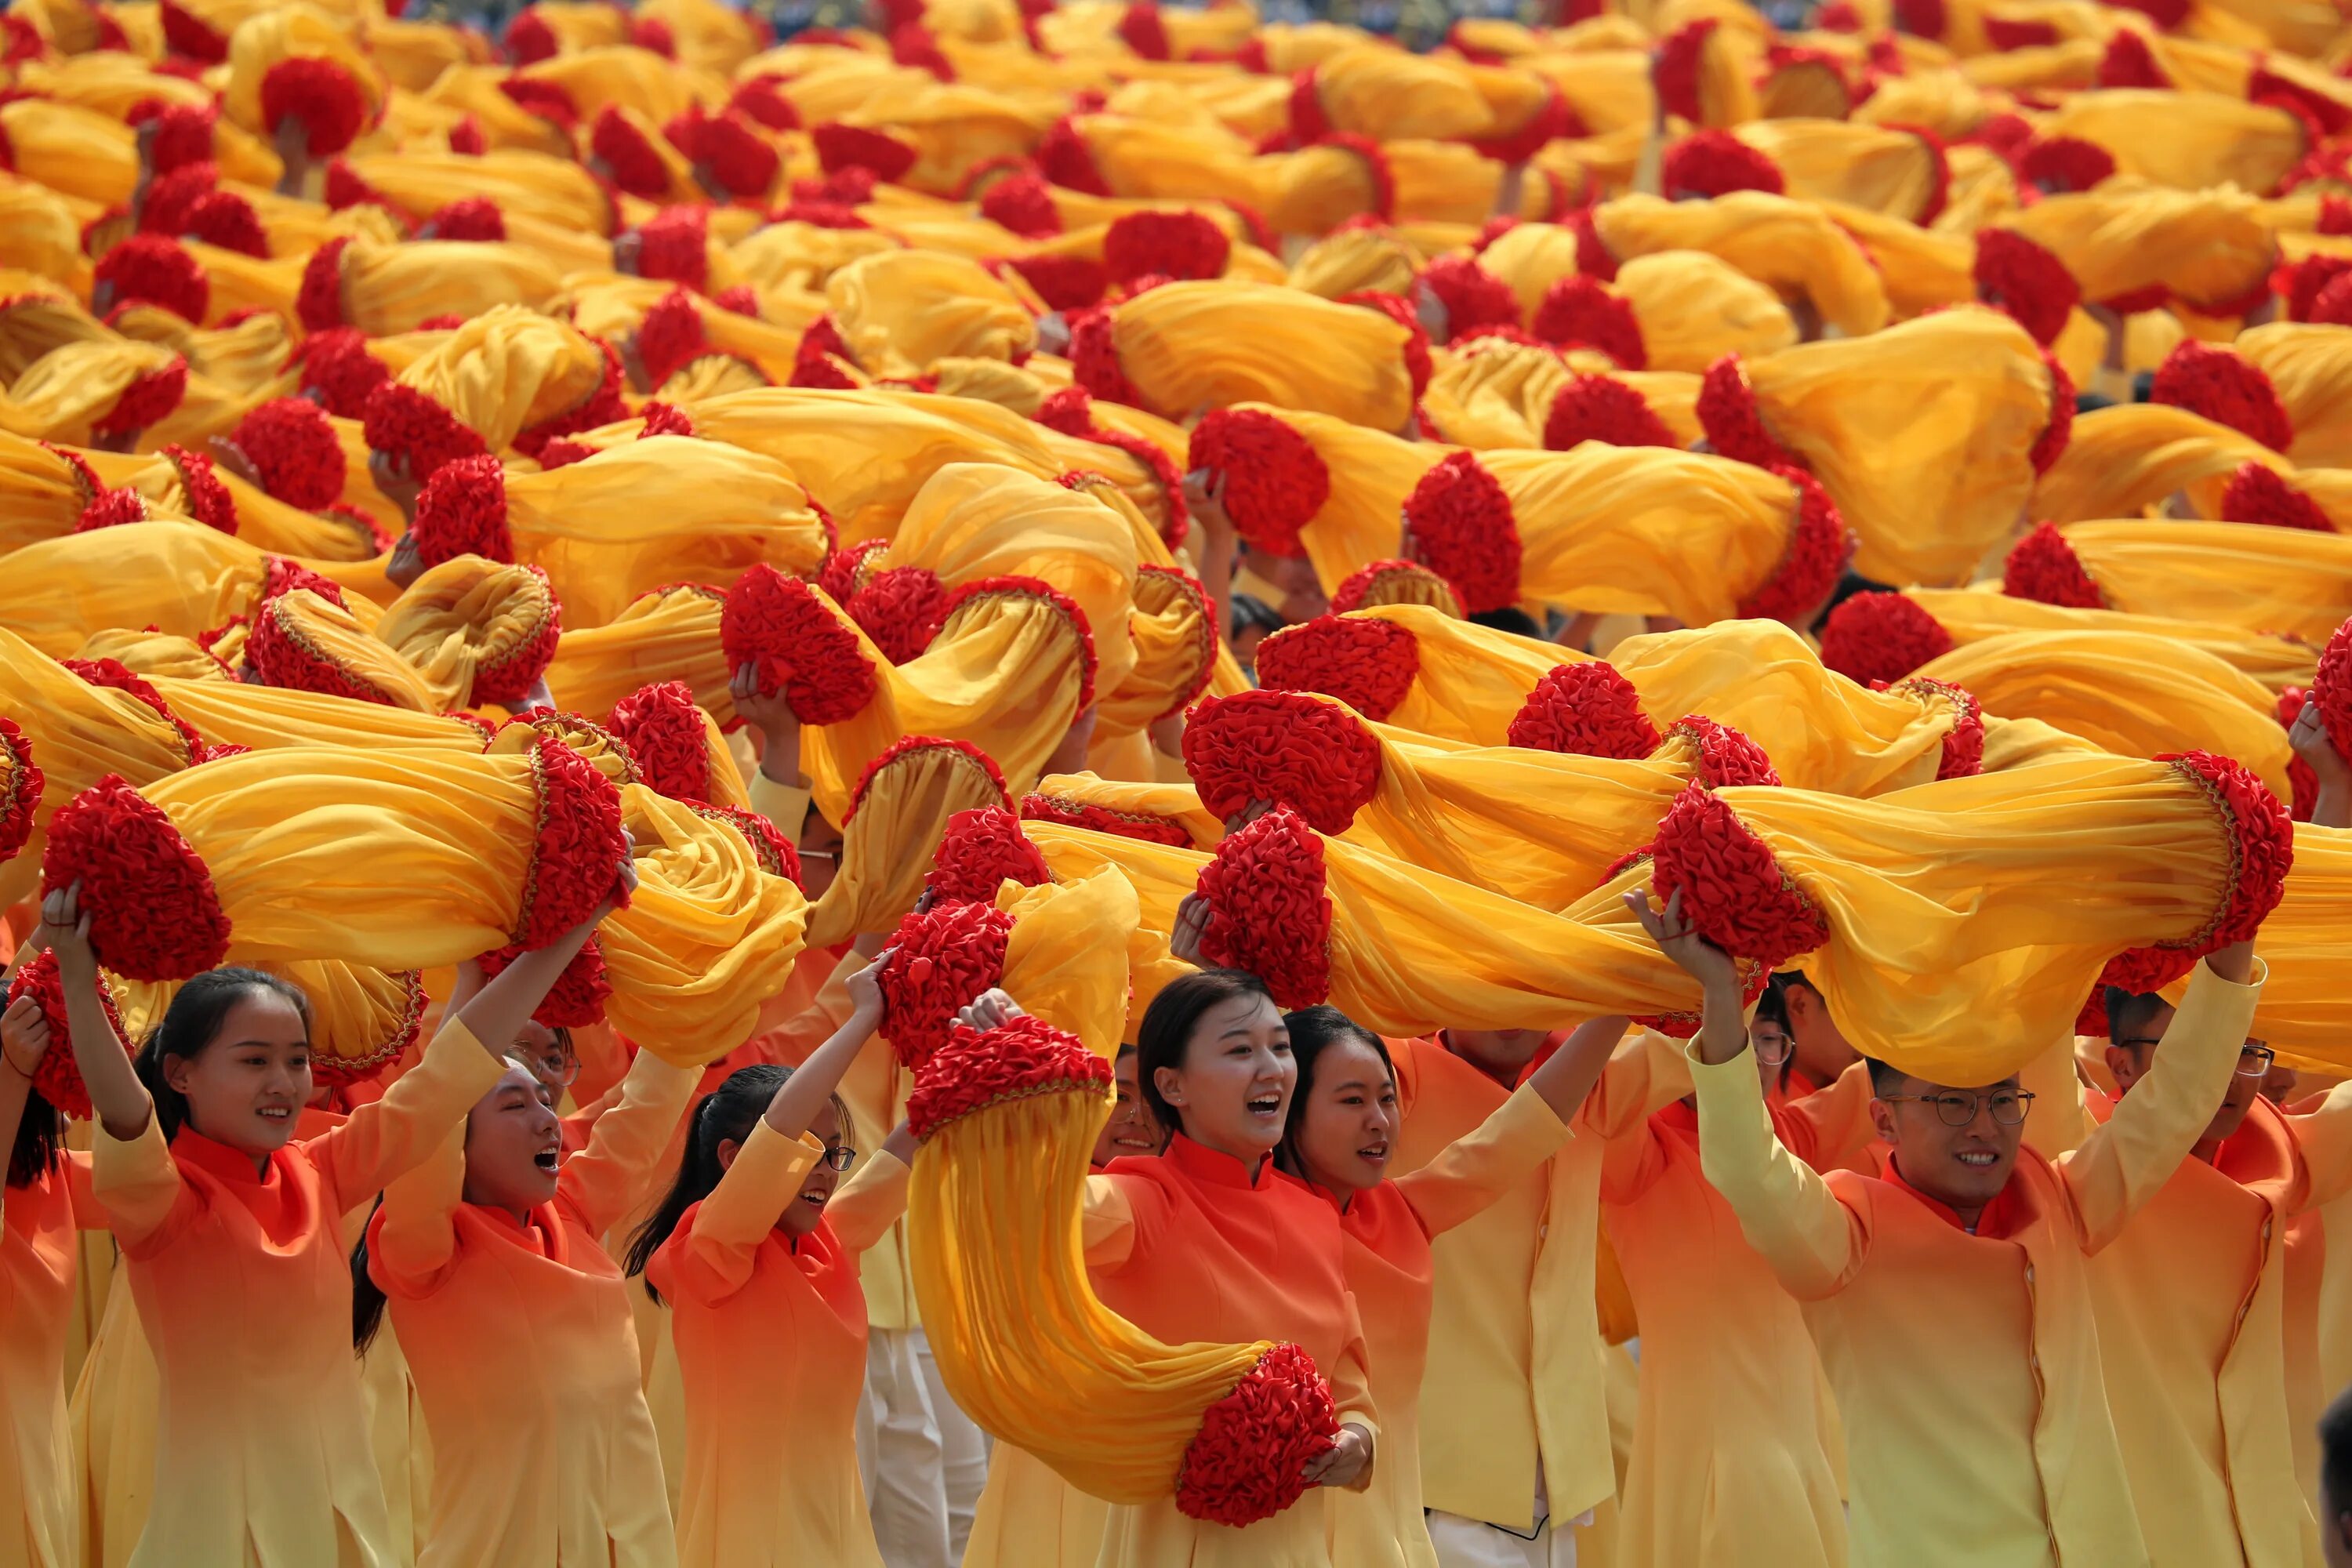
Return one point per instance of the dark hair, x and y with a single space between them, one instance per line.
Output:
367 1297
1772 1005
194 1022
1314 1030
1249 611
40 1135
1885 1077
1509 619
1167 1030
1850 584
2335 1460
727 1113
2129 1013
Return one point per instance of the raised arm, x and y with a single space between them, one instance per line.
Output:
24 1041
866 1206
1521 1133
780 791
606 1178
119 1099
2308 737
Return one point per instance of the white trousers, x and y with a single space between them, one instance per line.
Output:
1474 1544
923 1460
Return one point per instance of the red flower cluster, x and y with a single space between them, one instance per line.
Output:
1064 283
462 509
184 132
209 501
111 509
2260 843
1873 637
57 1078
946 956
778 623
1602 408
1014 586
2051 444
1581 312
294 451
2260 494
1141 29
279 575
2043 567
1283 747
1273 918
840 146
282 657
1023 1057
1733 891
577 998
172 198
603 405
846 571
663 419
150 398
114 675
2226 388
2332 688
1275 481
575 847
979 851
1716 163
776 854
20 788
465 137
1585 711
663 729
319 302
1094 358
338 369
154 914
2059 165
1472 297
1459 523
744 162
159 271
900 607
1178 245
1818 547
474 218
759 102
402 422
1720 757
1364 661
1023 203
1554 119
1391 581
2307 282
1064 159
671 337
1964 743
1735 425
1248 1460
1136 824
2130 62
321 95
1675 70
629 157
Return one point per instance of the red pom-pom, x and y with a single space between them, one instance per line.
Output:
663 419
1675 70
671 337
184 132
673 247
652 34
631 160
465 137
1019 1060
1390 582
462 510
663 729
1276 481
1579 313
1364 661
1022 203
227 220
1094 358
185 33
1718 756
158 270
403 423
744 162
319 302
2303 284
1474 297
1141 29
321 95
2044 567
900 608
2015 275
2005 35
1585 711
1177 245
2261 495
1459 523
2051 444
529 38
20 788
1067 160
759 102
1734 424
1142 827
1733 891
1247 1461
546 100
778 623
2226 388
294 451
1818 547
946 956
1602 408
1065 283
57 1078
345 189
2128 62
2059 165
145 401
1878 638
2333 307
840 146
172 198
1716 163
981 849
2261 845
577 848
1271 916
471 218
111 509
1283 747
336 367
2332 689
152 909
742 299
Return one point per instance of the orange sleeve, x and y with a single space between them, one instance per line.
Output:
1484 1163
867 1205
712 1258
1109 1220
1640 1079
1351 1378
382 1139
2324 1139
88 1211
413 1239
1825 1128
604 1180
138 1183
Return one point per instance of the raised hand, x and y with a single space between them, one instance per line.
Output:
988 1009
65 926
1347 1463
24 1035
1679 940
1193 918
864 989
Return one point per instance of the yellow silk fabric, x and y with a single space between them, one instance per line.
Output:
662 509
1179 804
266 718
153 654
1788 244
2206 244
707 936
669 634
1138 158
2124 460
2284 581
73 151
902 310
180 577
1694 308
1066 958
507 370
1973 615
40 232
1614 529
1888 170
524 185
68 390
1922 268
1922 434
1473 679
389 288
2305 1013
2127 692
1175 643
1355 259
463 616
887 845
2311 366
1389 95
1187 346
1490 394
333 636
293 32
2185 140
40 495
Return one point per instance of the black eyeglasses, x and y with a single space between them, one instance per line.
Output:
840 1156
2253 1060
1958 1107
1771 1047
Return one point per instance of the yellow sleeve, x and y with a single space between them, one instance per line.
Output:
2121 1165
604 1180
752 1194
2324 1139
1640 1079
1484 1163
1786 1210
1351 1383
1106 1223
785 806
418 1235
138 1183
387 1137
866 1206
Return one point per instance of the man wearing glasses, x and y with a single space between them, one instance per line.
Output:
1950 1293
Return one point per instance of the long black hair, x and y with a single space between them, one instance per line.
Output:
193 1023
40 1137
1167 1030
726 1114
1313 1031
367 1297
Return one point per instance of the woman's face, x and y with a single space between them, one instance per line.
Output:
800 1214
1131 1129
513 1141
1347 1129
1233 1088
548 1054
247 1087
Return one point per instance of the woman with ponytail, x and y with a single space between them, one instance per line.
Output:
228 1227
756 1256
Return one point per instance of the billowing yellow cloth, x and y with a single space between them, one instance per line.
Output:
506 370
2311 366
1468 681
303 640
1175 643
897 819
2186 141
1168 812
1188 346
40 231
152 654
2307 941
1140 158
1972 614
670 633
386 289
73 151
1390 95
1924 435
271 718
2120 461
1788 244
629 518
1895 172
1358 258
1491 394
951 127
1921 267
524 185
2210 247
70 391
292 32
1694 308
2283 581
467 623
901 312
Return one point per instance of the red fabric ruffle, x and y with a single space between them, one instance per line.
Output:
1718 756
1472 297
319 302
840 146
1094 358
1146 828
2332 688
1274 480
847 570
1602 408
505 680
778 623
901 608
630 160
2059 165
2051 444
2044 567
1675 70
576 848
1022 203
1399 310
172 198
1710 163
402 422
1391 581
1247 1461
759 102
145 401
475 218
322 95
294 452
1581 312
337 369
153 913
981 849
1818 547
2225 387
1283 747
2260 843
58 1078
1733 891
209 501
283 658
280 575
1364 661
663 419
1460 523
20 788
2258 494
662 726
946 956
1963 754
1066 160
1585 711
1019 1058
671 337
1265 888
1177 245
577 998
1876 636
111 509
462 509
2014 275
1728 413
